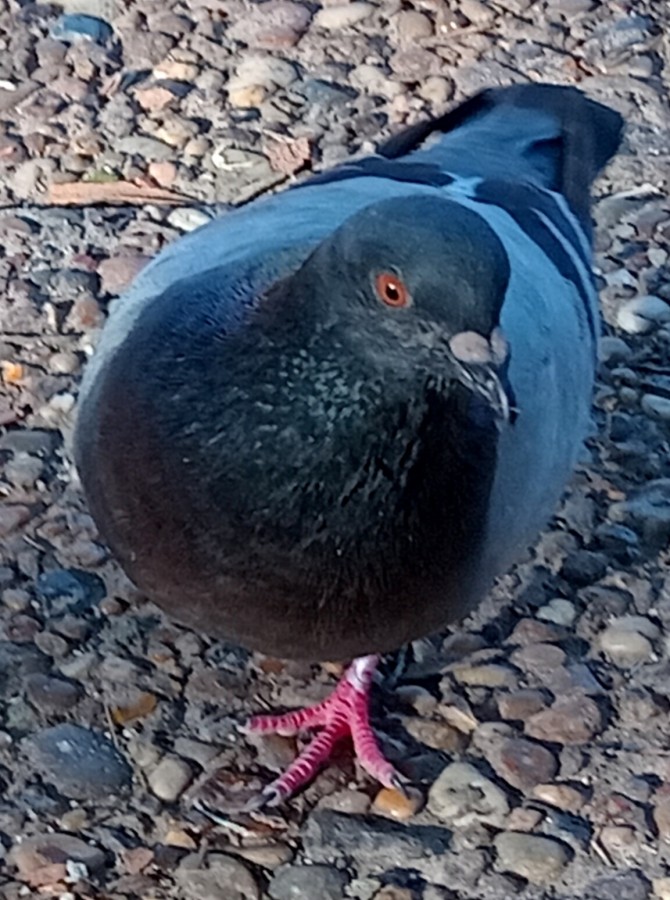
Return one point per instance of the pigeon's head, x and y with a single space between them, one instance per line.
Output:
414 285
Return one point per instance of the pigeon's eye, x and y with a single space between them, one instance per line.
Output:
392 290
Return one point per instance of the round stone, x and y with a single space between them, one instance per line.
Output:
625 648
45 857
571 720
539 859
558 611
613 350
656 407
170 778
80 763
308 883
562 796
523 764
641 314
396 804
520 705
333 18
52 694
462 796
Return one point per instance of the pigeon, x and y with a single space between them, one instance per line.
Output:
322 424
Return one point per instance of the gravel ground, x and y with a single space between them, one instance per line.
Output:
538 732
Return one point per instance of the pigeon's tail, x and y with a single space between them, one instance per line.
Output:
547 134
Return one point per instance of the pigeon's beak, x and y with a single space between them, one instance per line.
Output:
481 366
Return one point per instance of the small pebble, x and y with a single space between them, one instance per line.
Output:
661 812
613 351
539 660
520 705
487 675
435 734
170 778
462 795
522 763
80 763
642 314
52 644
177 837
397 805
410 25
69 28
648 510
533 631
16 599
64 363
12 517
308 883
662 888
539 859
459 715
225 878
562 796
52 694
418 698
436 90
43 858
625 648
618 838
570 720
656 407
584 567
558 611
333 18
74 819
117 272
267 856
351 802
186 218
522 818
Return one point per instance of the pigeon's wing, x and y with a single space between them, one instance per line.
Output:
545 135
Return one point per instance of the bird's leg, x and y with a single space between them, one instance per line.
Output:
344 713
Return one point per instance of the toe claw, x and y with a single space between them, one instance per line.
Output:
268 798
400 783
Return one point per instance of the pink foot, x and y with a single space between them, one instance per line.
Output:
344 713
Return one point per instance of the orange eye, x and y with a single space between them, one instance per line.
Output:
392 290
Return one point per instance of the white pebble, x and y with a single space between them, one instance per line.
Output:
185 218
640 315
625 648
656 407
343 15
558 611
170 778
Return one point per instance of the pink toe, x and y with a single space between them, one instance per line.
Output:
343 713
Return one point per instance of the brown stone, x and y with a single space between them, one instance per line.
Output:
520 705
562 796
523 764
533 631
154 98
117 272
12 516
571 720
42 859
